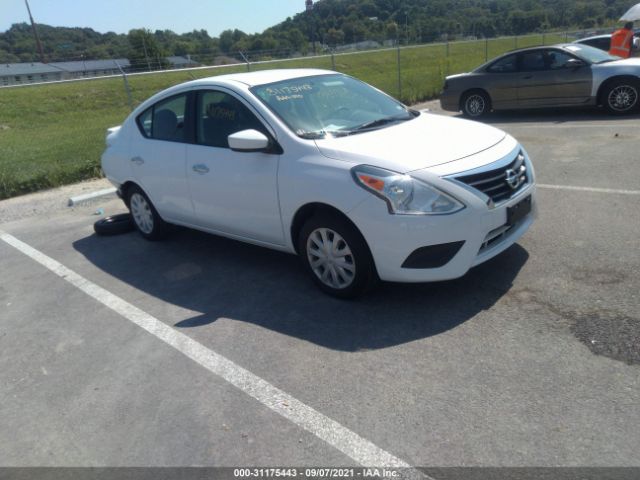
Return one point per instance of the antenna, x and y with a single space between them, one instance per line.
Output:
35 33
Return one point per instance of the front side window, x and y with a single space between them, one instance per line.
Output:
165 120
219 115
558 59
330 105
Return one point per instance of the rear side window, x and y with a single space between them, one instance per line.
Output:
504 65
165 120
144 122
533 61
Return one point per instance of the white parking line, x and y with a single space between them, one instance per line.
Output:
588 189
348 442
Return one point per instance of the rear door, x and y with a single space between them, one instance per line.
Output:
536 82
500 79
158 157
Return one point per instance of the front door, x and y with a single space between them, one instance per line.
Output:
547 79
232 192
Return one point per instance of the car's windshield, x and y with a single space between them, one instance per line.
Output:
591 54
331 105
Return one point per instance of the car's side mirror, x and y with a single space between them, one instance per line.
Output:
574 63
248 141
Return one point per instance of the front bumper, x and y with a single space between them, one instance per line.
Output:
393 238
450 101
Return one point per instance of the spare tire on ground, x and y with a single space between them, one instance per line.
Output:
114 225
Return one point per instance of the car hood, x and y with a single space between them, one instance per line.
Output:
423 142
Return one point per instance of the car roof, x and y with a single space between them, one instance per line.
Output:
559 46
538 47
261 77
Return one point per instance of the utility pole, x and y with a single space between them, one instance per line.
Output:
35 33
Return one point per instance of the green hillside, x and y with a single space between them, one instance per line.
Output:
328 24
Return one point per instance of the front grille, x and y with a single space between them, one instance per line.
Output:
501 183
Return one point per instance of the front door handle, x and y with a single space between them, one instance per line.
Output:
528 77
201 169
137 160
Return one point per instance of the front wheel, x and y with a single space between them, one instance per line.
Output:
476 104
621 97
337 256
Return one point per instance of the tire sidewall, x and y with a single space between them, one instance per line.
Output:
620 83
114 225
365 269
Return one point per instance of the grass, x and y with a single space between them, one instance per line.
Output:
52 135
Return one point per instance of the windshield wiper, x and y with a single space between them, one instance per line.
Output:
380 122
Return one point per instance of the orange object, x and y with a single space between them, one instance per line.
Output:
621 43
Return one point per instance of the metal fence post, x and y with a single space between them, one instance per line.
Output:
333 61
126 85
486 49
544 42
446 71
515 41
399 75
246 60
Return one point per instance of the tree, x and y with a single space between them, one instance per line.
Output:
145 52
334 37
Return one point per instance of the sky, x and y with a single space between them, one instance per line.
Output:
181 16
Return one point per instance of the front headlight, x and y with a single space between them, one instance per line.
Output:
404 194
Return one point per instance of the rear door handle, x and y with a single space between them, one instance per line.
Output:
201 169
528 77
137 160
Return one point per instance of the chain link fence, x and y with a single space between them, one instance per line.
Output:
52 134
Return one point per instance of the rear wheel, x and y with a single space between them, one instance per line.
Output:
621 97
145 216
337 256
475 104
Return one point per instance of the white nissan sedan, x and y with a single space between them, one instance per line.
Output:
322 165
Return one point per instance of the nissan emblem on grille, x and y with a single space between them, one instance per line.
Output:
513 179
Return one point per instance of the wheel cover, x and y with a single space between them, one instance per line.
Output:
330 258
475 105
142 214
623 98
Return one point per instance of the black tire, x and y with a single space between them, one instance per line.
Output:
144 215
114 225
355 272
475 104
621 97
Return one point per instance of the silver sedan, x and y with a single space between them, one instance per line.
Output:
543 77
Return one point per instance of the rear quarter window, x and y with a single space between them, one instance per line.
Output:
144 122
